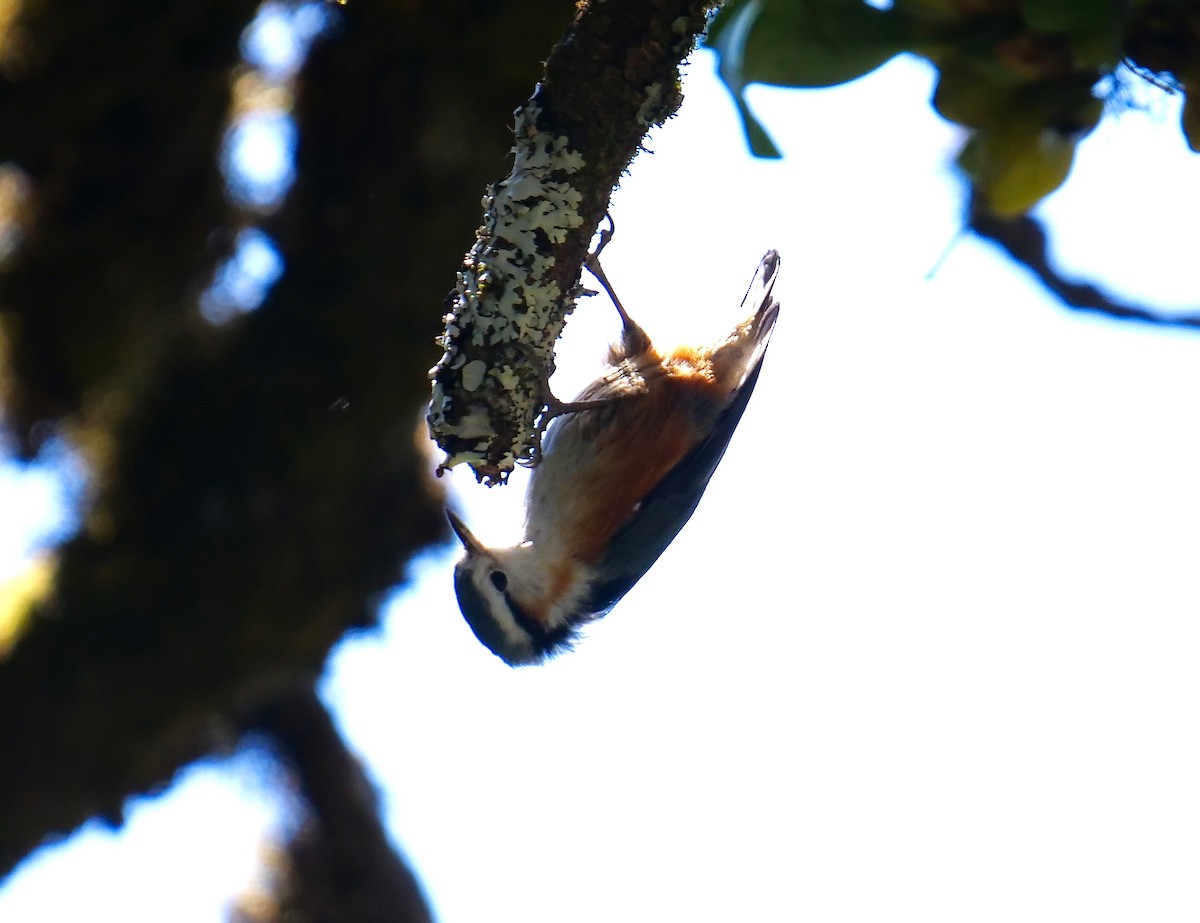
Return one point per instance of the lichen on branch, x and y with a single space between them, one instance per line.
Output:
614 76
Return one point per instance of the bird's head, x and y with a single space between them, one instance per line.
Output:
512 599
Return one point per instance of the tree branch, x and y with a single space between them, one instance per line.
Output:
341 867
612 77
1025 240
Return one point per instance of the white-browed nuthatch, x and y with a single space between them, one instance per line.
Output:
615 482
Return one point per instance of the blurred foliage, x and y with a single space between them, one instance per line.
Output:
1025 78
19 594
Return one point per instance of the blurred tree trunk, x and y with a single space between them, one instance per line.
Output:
339 865
258 485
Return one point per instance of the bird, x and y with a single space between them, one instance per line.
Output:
620 472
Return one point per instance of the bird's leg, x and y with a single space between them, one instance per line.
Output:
553 407
633 338
634 341
556 408
592 262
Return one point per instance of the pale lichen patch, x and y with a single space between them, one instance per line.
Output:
506 311
650 111
472 374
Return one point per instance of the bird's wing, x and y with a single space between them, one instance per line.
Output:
640 541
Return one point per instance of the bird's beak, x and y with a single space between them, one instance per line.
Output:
470 542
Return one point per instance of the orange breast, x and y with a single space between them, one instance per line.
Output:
562 574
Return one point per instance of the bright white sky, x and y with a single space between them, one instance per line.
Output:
927 649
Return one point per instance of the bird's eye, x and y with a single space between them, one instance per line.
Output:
499 580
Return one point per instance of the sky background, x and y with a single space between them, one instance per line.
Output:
925 651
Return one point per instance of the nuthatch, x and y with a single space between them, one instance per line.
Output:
620 473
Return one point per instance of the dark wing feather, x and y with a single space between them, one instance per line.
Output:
639 542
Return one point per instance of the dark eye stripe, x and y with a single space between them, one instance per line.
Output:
528 623
545 641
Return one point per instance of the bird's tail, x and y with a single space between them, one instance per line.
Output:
739 357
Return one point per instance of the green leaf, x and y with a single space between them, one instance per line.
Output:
1071 16
805 43
1093 29
760 142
